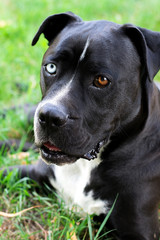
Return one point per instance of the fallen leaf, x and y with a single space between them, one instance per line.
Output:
54 219
13 133
19 156
72 234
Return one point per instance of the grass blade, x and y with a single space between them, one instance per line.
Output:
90 227
105 220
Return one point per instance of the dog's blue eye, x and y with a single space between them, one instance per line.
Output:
51 68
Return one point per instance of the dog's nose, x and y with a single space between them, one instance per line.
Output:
50 115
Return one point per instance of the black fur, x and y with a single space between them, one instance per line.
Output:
125 114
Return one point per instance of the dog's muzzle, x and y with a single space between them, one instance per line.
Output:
50 118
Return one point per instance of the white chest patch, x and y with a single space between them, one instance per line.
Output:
70 183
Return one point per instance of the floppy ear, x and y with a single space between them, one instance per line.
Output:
54 24
148 46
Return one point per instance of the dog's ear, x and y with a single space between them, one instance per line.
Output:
54 24
148 46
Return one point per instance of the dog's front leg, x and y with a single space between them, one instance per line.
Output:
40 172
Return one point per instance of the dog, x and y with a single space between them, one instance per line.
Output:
98 123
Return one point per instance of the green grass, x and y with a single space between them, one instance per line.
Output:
51 218
19 83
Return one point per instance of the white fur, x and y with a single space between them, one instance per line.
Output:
84 50
55 99
70 182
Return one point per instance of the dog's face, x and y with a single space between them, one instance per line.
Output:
91 87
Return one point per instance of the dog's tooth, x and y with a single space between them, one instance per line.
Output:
51 147
101 144
88 156
91 154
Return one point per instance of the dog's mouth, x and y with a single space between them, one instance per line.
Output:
54 155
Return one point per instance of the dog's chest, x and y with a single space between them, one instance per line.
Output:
70 182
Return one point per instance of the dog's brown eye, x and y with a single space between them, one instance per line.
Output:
101 81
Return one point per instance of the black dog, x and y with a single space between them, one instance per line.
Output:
100 103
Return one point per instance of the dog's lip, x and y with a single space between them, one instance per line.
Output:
51 147
53 154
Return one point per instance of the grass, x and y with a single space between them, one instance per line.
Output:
19 79
50 221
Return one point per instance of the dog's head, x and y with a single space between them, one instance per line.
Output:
91 80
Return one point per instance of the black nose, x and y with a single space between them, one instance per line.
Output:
50 115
